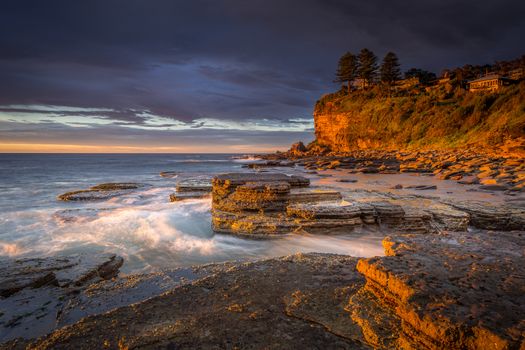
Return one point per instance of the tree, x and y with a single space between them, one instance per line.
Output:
367 69
347 69
390 71
424 76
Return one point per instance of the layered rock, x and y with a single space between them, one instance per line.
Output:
459 291
269 203
198 184
491 216
269 206
194 188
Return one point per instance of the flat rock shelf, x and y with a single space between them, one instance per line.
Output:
437 291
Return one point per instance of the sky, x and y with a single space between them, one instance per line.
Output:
228 76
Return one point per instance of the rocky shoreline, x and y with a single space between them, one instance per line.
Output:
493 172
444 291
453 274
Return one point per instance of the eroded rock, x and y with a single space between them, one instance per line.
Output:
269 203
451 291
491 216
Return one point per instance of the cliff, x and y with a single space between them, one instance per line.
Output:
441 118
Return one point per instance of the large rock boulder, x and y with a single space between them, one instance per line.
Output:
297 149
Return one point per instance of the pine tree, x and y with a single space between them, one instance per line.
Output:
367 70
390 71
347 69
425 77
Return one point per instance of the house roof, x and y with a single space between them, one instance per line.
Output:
488 77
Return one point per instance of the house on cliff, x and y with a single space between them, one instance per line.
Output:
517 74
491 83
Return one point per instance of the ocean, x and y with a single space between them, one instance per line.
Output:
143 227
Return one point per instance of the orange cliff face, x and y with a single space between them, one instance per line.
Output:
340 131
484 122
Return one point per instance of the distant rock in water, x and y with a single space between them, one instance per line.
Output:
268 164
100 192
169 174
180 196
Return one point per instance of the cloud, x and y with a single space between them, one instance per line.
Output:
187 66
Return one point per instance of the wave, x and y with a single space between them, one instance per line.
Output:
10 249
150 234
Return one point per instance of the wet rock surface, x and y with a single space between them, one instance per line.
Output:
34 290
436 291
239 306
197 187
67 216
100 192
169 174
492 216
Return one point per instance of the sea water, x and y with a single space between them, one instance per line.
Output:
143 227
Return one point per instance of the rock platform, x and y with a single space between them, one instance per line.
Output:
437 291
273 203
451 291
192 188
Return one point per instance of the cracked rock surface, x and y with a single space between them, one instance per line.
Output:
438 291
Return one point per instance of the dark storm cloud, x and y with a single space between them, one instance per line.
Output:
232 59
